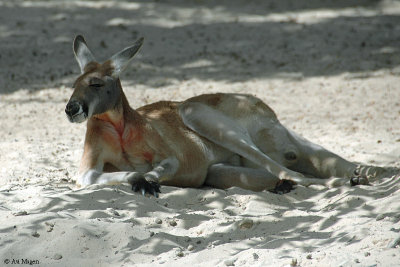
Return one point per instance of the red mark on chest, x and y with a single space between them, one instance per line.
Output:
118 135
148 156
124 138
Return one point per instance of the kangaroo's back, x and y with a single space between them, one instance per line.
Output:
235 105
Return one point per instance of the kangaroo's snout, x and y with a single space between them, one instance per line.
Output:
72 108
76 112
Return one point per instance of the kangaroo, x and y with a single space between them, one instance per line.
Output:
219 140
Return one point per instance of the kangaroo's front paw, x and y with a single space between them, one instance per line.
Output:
358 180
283 187
88 178
145 186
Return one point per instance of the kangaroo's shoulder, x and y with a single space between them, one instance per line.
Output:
166 111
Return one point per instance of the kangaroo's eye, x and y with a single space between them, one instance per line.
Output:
96 83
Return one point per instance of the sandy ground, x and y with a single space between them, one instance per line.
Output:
330 70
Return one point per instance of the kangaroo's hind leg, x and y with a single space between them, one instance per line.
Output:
322 163
372 173
228 133
318 161
225 176
302 156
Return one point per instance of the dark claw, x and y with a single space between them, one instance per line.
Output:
145 186
135 188
283 187
359 181
152 191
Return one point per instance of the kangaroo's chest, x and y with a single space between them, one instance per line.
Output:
125 147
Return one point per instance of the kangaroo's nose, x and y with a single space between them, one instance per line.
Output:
72 108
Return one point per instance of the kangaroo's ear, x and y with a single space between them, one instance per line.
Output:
82 52
122 59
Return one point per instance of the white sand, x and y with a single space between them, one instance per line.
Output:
330 70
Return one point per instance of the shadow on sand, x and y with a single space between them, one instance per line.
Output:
195 39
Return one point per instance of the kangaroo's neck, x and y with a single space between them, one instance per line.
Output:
122 114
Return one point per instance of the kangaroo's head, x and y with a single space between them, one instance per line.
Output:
98 88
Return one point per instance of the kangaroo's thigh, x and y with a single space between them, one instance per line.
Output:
273 140
228 133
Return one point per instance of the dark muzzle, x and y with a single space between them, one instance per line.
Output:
76 111
72 109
